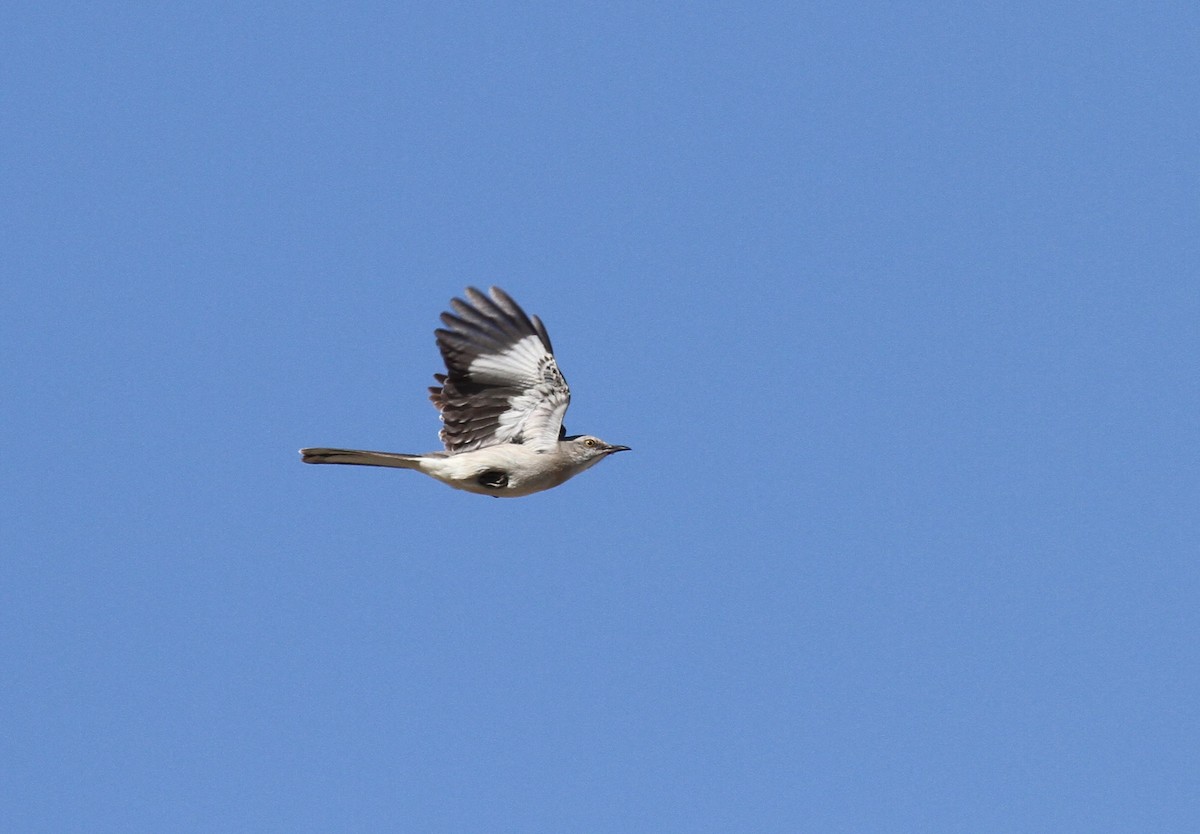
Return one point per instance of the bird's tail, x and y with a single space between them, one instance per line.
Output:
357 457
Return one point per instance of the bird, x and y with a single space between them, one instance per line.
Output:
501 400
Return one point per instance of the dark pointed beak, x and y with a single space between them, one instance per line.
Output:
612 449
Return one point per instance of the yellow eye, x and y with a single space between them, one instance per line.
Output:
589 443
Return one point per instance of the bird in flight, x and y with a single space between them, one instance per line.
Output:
502 401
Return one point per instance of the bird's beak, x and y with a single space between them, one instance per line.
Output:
612 449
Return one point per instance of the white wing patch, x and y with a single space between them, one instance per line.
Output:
518 365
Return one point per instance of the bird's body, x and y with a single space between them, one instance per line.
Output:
502 402
510 470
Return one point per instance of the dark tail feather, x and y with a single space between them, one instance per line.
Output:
357 457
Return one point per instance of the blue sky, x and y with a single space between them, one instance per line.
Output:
897 307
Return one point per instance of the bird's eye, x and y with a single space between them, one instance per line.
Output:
589 443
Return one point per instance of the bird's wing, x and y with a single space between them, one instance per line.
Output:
502 384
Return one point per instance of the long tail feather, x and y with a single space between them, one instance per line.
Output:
358 457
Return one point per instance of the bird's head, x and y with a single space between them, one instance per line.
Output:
587 449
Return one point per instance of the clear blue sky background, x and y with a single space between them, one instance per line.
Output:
897 305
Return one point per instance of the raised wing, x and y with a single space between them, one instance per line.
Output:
502 384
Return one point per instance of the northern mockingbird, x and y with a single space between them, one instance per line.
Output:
502 401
